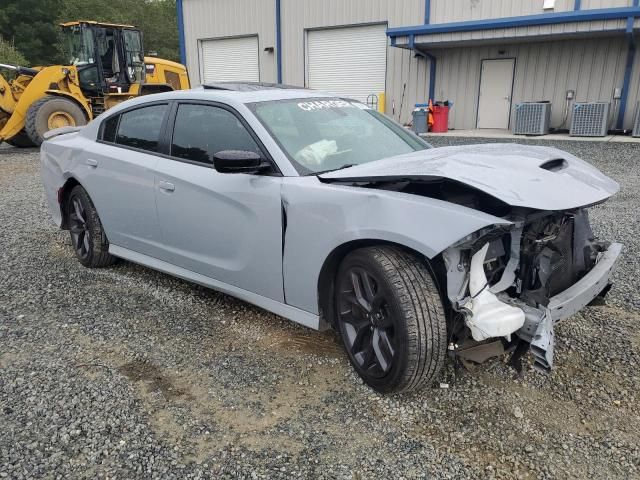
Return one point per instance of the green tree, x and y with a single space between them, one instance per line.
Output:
11 56
31 25
156 18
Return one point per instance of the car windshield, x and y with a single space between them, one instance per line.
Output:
323 134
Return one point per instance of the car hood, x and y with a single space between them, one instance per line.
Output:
543 178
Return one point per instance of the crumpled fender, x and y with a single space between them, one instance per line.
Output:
322 217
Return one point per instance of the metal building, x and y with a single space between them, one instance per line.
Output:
485 56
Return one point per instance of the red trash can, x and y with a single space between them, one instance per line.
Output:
440 119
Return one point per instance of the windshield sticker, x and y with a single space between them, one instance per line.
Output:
323 104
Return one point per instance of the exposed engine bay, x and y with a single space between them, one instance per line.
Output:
501 283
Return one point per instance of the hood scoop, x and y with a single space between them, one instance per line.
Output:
555 165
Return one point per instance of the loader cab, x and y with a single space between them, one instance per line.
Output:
109 58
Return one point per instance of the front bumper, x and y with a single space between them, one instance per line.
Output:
567 303
581 293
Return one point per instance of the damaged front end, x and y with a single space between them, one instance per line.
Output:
509 285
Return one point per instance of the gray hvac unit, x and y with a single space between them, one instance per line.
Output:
532 118
590 119
636 123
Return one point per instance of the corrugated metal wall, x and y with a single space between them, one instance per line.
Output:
544 71
205 19
443 11
592 67
634 92
596 27
586 4
221 18
301 15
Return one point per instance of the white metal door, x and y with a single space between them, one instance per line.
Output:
229 59
496 84
348 61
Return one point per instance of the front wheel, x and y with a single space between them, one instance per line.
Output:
87 235
391 318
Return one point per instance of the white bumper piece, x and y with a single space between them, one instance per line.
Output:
489 316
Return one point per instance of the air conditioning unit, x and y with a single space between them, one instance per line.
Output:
590 119
636 123
532 118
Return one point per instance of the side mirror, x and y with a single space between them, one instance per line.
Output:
237 161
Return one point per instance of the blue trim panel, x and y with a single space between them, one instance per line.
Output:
183 50
432 76
628 70
523 21
278 43
427 12
577 5
432 66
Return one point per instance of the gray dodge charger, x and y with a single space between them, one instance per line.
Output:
330 214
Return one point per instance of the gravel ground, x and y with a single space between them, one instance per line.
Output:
128 373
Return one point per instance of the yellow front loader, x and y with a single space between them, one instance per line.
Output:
106 66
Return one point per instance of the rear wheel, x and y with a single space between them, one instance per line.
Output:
390 318
21 140
52 112
87 235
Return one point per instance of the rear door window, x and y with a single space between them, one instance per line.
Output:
140 128
200 131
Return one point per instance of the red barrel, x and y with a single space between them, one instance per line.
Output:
440 119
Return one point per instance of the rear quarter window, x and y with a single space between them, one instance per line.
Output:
109 129
140 128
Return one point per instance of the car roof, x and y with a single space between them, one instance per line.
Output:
249 86
237 93
234 94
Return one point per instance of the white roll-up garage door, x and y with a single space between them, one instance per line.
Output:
349 61
229 59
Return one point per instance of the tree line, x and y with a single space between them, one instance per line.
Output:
30 35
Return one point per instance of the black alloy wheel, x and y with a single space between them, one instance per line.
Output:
87 235
390 315
80 237
367 326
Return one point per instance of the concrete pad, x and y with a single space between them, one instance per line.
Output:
506 134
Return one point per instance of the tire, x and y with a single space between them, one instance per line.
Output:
52 112
21 140
391 319
87 235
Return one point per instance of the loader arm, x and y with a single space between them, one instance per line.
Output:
64 78
7 100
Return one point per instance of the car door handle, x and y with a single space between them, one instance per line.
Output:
169 187
92 163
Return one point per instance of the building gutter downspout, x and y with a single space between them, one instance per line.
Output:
432 66
278 43
628 70
180 18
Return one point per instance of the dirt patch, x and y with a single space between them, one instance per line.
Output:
319 343
150 374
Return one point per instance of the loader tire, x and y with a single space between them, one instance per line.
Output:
21 140
52 112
